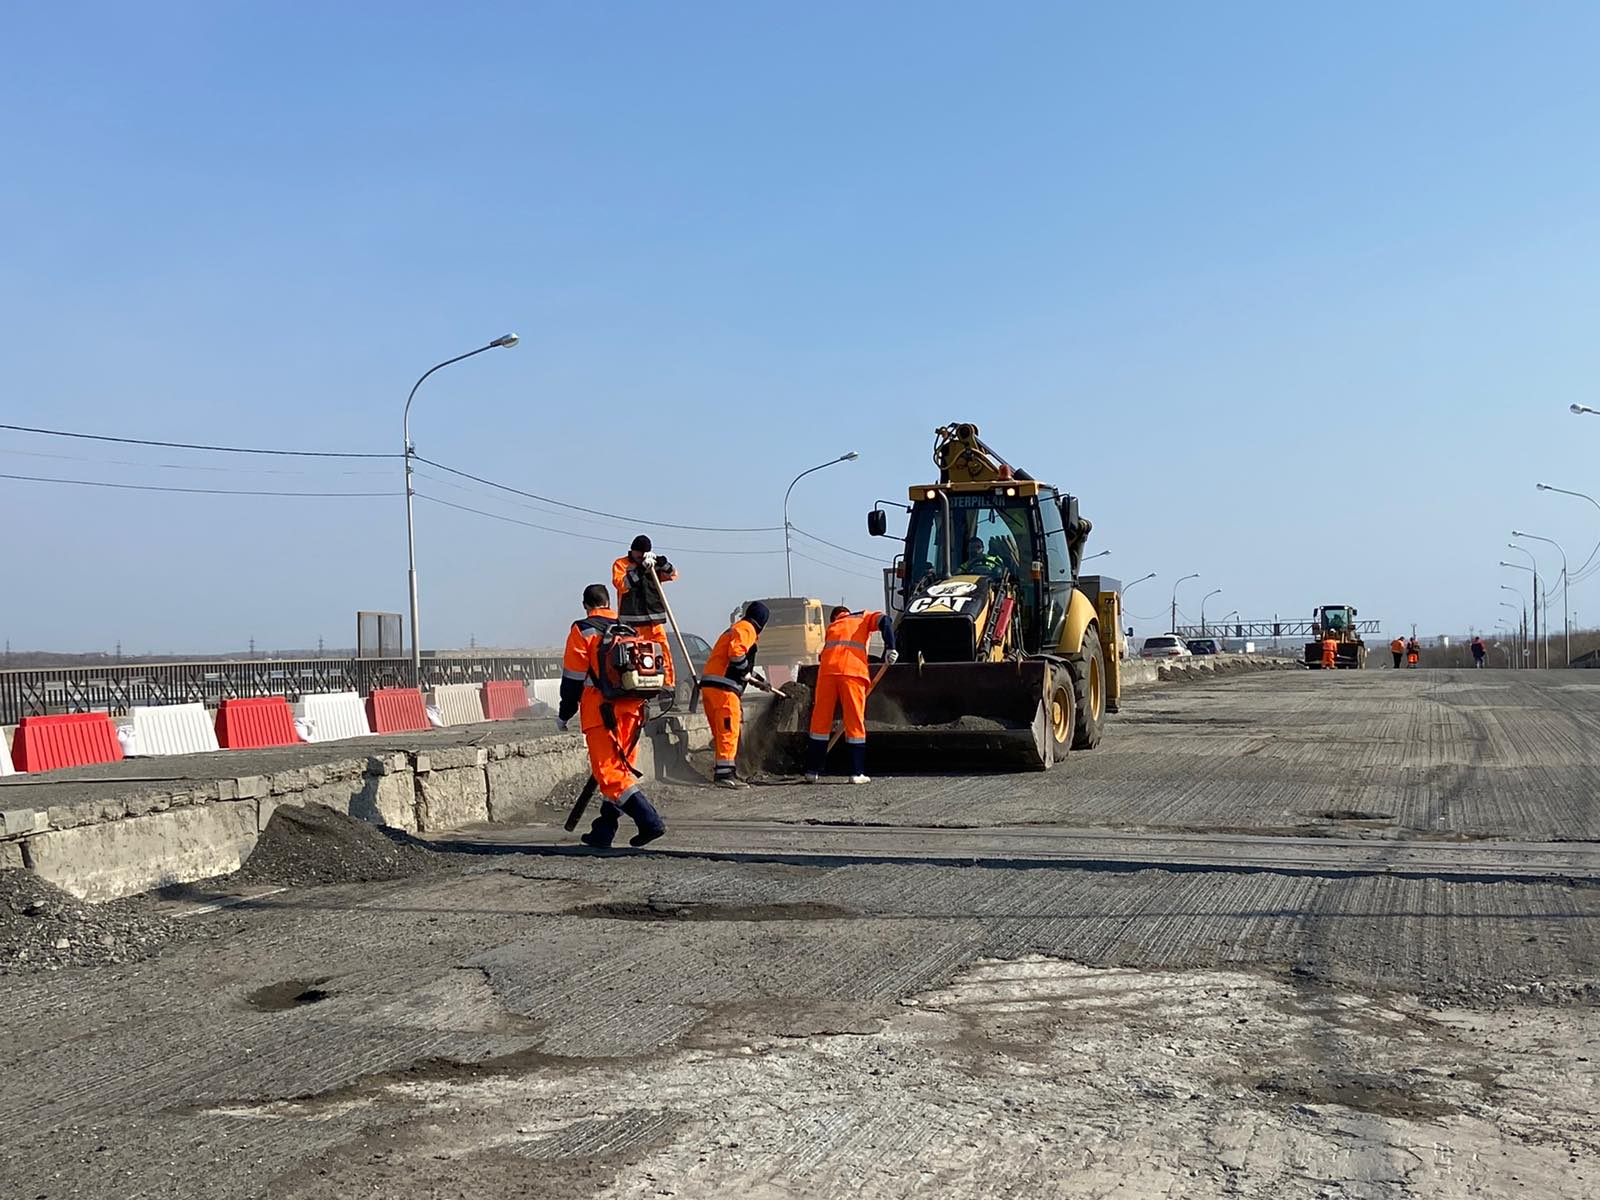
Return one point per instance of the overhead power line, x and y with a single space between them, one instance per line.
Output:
230 469
587 537
126 441
150 487
837 567
872 558
515 491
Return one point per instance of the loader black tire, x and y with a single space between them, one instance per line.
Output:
1061 712
1088 670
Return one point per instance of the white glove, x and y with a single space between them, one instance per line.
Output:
650 559
891 657
561 723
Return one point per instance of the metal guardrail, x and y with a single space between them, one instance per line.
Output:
1264 629
41 691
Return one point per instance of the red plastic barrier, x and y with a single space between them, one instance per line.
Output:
504 699
252 722
397 710
67 740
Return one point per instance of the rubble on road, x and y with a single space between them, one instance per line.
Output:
42 928
314 845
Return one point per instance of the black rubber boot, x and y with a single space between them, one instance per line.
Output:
858 759
816 756
604 829
645 816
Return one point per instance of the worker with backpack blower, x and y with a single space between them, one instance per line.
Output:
640 602
608 674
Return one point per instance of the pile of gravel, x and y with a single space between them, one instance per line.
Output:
42 928
314 844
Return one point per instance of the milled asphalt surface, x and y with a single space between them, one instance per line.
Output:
733 1017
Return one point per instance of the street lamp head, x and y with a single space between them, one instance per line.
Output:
1543 487
1579 408
849 456
506 339
1518 533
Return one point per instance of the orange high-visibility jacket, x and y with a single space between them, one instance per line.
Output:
844 647
732 659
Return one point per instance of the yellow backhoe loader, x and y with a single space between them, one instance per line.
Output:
1007 656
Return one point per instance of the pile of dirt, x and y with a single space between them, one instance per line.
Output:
314 844
42 928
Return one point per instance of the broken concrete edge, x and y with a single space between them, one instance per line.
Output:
104 849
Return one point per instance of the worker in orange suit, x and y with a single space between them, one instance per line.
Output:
728 671
1398 649
1413 652
610 727
640 602
842 682
1330 654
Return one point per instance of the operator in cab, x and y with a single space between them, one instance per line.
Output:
979 561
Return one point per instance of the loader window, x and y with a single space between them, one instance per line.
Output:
1059 567
1005 533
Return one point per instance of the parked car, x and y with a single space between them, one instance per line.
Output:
1204 646
1166 645
699 651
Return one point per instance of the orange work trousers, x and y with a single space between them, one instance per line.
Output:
611 770
1330 656
660 633
840 692
725 711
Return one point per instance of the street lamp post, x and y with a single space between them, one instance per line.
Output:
1566 608
1203 599
788 568
1522 646
1173 628
506 340
1534 571
1541 616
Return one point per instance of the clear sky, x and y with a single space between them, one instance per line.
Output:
1296 299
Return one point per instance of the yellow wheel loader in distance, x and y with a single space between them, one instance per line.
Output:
1007 656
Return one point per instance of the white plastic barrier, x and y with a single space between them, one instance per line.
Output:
329 717
173 729
5 754
546 691
458 703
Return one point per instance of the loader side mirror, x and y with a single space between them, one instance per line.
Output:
1069 518
877 522
1130 630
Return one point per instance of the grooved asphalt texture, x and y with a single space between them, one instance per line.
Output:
637 1024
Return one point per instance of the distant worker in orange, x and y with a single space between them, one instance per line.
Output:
842 681
1398 649
1330 653
640 602
728 670
610 727
1413 652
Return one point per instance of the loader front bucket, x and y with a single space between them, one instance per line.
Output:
947 717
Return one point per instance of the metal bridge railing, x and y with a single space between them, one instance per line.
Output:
1264 629
43 690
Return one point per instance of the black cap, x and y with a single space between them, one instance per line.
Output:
596 596
757 614
839 610
641 544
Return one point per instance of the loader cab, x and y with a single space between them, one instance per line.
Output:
1014 529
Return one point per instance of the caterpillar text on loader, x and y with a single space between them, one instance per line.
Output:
1007 656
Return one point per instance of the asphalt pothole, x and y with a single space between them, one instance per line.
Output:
655 909
287 994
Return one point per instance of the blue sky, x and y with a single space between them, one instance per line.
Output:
1294 299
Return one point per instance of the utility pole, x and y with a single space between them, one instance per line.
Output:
319 647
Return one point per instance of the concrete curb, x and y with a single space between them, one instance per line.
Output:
132 840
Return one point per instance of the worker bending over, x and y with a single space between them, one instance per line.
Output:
842 681
611 727
1398 649
639 599
728 671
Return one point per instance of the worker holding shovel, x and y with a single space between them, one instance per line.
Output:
729 669
842 684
